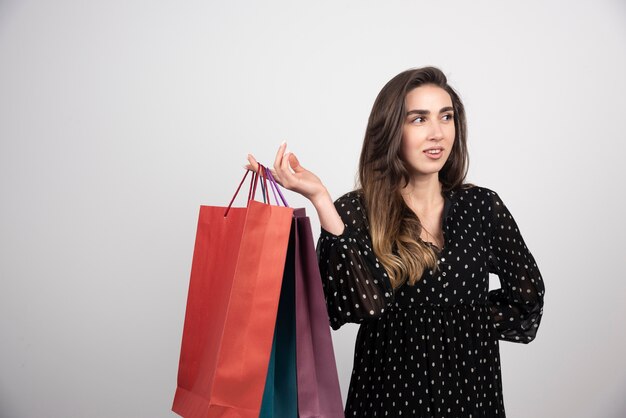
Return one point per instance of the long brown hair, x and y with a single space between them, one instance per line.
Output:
394 227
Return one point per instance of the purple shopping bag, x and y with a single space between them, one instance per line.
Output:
319 395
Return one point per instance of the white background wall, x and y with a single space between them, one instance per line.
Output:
119 118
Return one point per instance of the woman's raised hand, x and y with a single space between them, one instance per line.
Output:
300 180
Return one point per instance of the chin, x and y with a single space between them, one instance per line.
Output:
424 172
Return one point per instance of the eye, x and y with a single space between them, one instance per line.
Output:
448 116
418 119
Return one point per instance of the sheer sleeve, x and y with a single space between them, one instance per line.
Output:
517 307
356 285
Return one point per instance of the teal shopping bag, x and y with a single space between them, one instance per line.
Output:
280 397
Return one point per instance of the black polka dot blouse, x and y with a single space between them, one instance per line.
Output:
431 350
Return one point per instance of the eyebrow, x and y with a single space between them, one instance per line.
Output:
427 112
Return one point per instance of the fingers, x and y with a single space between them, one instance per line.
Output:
279 155
285 173
278 161
282 162
275 176
295 163
253 164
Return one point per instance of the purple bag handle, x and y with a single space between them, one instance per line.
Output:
266 174
276 189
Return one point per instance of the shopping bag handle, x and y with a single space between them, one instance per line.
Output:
262 172
266 175
264 189
275 189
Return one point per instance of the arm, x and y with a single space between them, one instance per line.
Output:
517 307
356 285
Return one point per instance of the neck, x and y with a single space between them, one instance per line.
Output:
423 191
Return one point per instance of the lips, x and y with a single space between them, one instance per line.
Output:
434 152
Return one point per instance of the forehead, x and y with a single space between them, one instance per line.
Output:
427 96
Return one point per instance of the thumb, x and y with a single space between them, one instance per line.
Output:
295 164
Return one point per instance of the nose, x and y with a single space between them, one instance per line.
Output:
436 133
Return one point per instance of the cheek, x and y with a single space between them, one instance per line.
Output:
404 142
451 132
407 146
449 141
409 139
403 150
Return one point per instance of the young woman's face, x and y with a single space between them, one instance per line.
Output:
428 123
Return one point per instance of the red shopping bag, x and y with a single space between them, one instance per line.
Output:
234 288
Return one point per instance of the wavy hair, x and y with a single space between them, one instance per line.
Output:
394 227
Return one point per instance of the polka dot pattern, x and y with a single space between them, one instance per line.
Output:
432 350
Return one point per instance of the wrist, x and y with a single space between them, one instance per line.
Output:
328 215
321 198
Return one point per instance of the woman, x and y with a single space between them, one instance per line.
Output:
408 256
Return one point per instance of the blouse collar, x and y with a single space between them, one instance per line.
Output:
449 201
